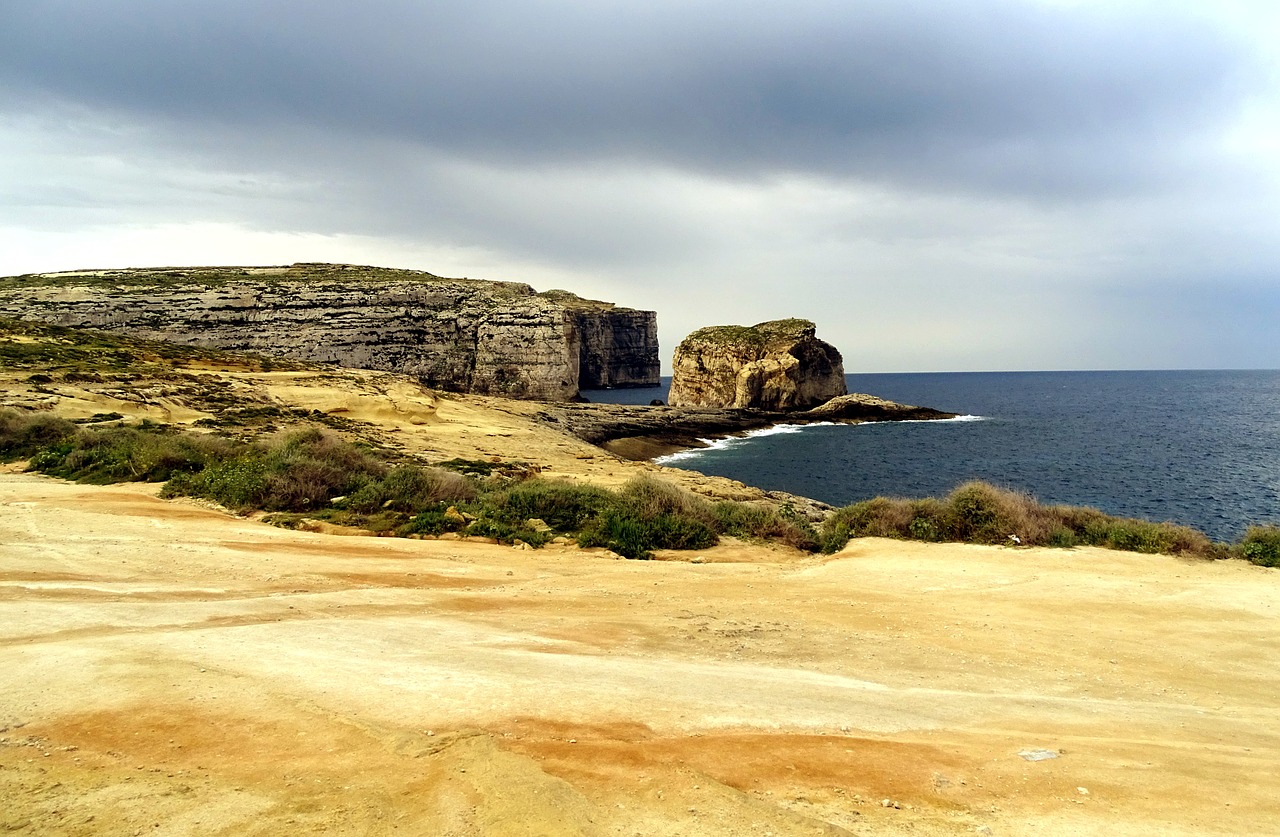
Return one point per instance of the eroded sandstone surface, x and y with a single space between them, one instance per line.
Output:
779 365
497 338
171 669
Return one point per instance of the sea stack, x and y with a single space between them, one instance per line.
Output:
779 366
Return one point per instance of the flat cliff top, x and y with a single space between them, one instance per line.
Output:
314 274
766 335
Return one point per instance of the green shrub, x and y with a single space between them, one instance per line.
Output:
1061 537
434 521
648 514
1097 529
633 536
647 498
922 528
1130 536
977 512
765 523
564 506
24 434
1261 545
879 517
238 484
298 471
506 532
410 488
148 453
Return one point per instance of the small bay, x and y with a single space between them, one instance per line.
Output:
1201 448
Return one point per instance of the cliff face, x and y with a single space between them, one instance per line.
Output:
778 365
499 338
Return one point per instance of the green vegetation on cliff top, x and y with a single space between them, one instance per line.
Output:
315 274
49 348
760 335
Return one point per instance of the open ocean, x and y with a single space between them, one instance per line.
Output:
1201 448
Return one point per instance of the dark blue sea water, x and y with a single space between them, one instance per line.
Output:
1200 448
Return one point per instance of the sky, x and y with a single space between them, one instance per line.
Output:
940 185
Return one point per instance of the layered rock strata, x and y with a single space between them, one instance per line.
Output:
779 365
497 338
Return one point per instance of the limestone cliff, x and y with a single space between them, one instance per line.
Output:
778 365
499 338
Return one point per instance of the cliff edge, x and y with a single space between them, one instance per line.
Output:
493 338
779 366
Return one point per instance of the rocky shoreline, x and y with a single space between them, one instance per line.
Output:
640 432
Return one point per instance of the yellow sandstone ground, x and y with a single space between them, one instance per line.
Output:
171 669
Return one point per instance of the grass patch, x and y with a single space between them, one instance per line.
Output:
149 453
297 471
1261 546
24 434
648 514
84 355
977 512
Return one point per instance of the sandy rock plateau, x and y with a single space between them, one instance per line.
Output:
172 669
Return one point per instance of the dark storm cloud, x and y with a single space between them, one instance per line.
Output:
987 95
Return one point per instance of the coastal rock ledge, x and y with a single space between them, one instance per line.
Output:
779 366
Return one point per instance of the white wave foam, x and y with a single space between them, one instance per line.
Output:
784 428
727 442
933 421
734 441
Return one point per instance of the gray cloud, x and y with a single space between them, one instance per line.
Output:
941 185
988 94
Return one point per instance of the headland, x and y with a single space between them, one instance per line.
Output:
175 668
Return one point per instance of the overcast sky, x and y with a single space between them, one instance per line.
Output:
967 185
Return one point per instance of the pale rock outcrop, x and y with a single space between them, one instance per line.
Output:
778 366
499 338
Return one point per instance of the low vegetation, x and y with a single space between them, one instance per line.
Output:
978 512
312 474
1261 545
74 354
130 279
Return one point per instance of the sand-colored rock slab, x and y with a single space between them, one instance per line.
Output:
170 669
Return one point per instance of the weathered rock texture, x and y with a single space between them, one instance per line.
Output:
498 338
778 365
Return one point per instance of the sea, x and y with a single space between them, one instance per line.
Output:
1199 448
